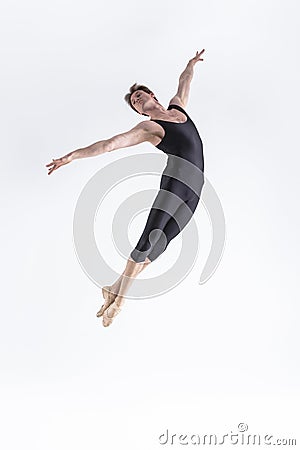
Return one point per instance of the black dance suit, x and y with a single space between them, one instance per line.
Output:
176 200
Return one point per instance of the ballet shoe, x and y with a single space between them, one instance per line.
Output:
108 300
108 318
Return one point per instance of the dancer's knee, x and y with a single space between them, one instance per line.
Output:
155 244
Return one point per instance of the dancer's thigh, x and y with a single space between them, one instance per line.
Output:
181 218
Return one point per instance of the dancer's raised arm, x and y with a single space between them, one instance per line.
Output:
182 95
138 134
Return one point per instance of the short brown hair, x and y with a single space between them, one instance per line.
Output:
132 89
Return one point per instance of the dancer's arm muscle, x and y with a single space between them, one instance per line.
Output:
182 94
183 90
138 134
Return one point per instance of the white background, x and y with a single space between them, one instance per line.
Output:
201 358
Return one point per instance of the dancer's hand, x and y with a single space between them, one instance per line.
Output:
56 163
197 57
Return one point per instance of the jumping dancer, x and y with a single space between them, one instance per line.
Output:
173 132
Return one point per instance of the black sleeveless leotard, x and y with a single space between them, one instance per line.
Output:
180 187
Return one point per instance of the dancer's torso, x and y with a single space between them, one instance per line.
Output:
181 139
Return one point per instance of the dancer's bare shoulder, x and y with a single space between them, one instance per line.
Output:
154 131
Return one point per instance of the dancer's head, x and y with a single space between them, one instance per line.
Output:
137 96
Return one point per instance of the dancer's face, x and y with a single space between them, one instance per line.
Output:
139 100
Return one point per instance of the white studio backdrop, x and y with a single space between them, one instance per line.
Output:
200 358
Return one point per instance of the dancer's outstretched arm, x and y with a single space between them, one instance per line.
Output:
139 133
182 95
